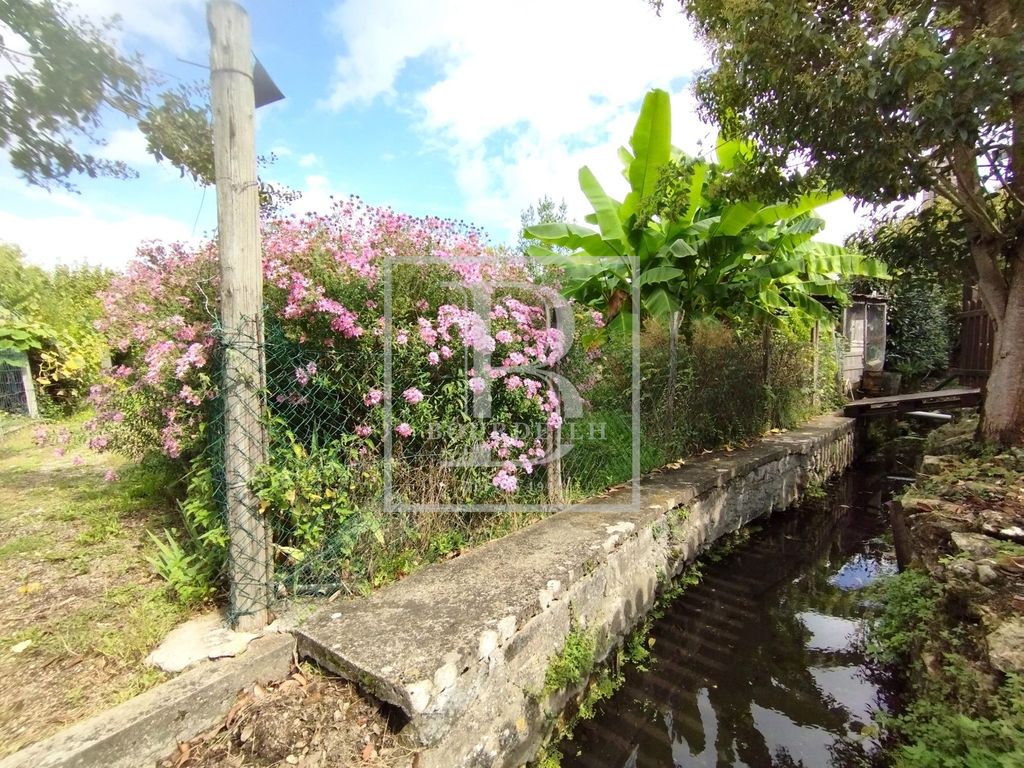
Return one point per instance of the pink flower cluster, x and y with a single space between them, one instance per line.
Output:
323 289
512 450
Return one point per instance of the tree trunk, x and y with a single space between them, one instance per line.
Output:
1003 412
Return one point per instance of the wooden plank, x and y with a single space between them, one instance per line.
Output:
957 397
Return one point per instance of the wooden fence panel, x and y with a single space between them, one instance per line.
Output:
972 358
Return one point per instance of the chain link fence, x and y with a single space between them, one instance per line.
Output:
349 502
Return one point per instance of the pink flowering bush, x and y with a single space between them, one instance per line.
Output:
327 335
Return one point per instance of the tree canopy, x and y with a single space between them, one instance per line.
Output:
65 76
887 100
687 248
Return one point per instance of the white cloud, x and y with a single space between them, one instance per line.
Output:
127 145
48 240
177 25
308 160
521 99
318 195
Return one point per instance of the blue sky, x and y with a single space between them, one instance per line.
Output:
456 108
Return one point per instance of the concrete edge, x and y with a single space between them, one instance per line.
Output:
148 727
608 593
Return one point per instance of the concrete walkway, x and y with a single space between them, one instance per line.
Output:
462 646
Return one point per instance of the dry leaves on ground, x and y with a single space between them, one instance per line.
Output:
305 720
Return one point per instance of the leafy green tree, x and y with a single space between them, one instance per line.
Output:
689 252
885 101
66 76
51 315
545 211
925 251
63 77
21 284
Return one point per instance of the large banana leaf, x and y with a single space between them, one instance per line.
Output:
606 209
652 147
659 275
574 236
770 214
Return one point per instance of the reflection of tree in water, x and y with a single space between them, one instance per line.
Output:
734 646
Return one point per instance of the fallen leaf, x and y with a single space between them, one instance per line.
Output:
19 647
28 589
183 752
291 760
369 752
244 699
246 734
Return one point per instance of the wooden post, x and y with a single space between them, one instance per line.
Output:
816 344
241 308
900 534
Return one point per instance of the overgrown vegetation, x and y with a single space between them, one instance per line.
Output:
49 315
956 712
925 251
572 664
910 99
331 422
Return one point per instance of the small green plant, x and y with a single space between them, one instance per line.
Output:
909 602
956 713
446 544
815 490
186 574
572 664
636 650
193 561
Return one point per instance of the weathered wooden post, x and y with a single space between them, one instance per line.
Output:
241 308
815 364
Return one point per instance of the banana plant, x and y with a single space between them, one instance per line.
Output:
606 262
710 257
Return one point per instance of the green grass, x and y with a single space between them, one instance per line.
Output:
74 546
33 543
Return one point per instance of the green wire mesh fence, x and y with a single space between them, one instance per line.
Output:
344 501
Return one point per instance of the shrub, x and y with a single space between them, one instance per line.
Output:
955 714
325 339
325 328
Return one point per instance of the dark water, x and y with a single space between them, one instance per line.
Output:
757 665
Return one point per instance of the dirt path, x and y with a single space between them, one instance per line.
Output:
81 607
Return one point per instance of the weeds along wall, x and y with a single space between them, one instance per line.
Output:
406 404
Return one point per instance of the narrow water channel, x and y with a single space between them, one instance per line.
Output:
758 665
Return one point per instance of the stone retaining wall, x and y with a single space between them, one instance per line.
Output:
464 646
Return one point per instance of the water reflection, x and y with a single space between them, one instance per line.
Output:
757 666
